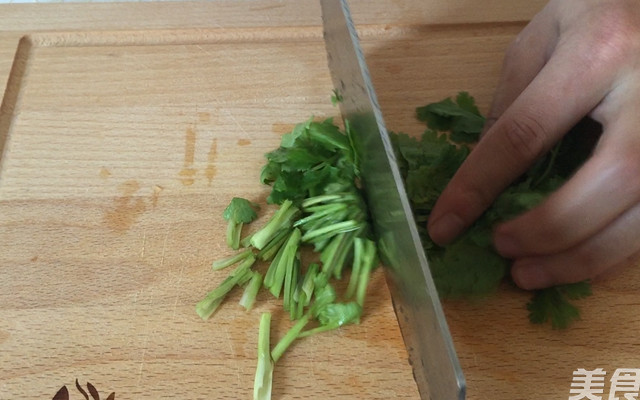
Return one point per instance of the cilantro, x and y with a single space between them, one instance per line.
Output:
470 266
313 157
461 117
239 212
552 304
314 181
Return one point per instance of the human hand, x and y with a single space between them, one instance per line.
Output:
575 58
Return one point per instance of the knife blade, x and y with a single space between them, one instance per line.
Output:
424 328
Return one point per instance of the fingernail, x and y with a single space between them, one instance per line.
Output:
506 245
530 277
446 228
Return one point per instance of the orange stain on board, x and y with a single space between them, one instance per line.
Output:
244 142
126 208
4 336
104 173
187 174
210 171
281 128
204 117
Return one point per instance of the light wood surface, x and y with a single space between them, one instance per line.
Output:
126 130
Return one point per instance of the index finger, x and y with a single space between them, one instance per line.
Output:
567 88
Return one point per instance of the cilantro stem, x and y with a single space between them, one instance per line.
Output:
338 227
320 212
264 371
369 260
280 219
225 262
290 283
251 291
271 248
343 197
289 337
335 254
207 306
358 250
309 282
281 263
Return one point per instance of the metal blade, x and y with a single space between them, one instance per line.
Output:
426 335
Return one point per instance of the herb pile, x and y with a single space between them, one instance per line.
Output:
470 266
315 185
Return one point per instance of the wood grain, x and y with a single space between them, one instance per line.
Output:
124 138
121 152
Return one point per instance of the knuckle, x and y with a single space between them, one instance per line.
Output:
526 137
616 37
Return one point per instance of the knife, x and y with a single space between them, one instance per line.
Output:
436 368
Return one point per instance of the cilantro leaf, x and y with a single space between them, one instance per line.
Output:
553 305
240 210
467 269
461 117
315 157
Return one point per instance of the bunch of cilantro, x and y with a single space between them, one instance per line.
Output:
470 266
320 210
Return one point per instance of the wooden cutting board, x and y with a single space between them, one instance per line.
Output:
127 128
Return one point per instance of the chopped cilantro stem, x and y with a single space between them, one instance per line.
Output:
226 262
290 283
358 250
333 229
281 219
309 282
298 310
369 261
271 249
251 291
289 337
326 198
206 307
283 262
264 371
335 254
321 212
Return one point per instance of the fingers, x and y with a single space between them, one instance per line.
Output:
613 246
605 187
523 60
528 128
